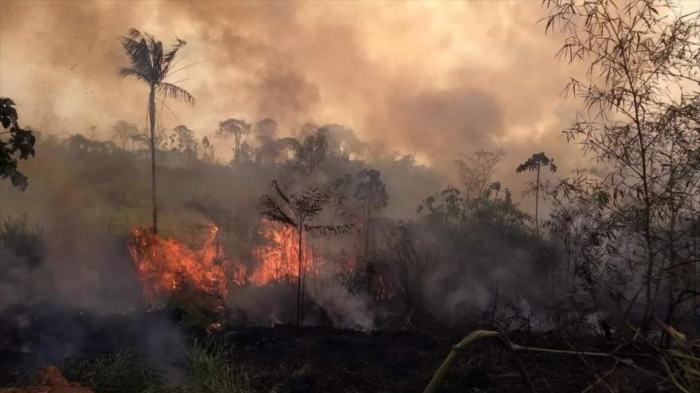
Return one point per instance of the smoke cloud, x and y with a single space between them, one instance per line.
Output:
434 80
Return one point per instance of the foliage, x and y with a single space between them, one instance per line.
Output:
21 238
186 141
682 361
371 190
641 124
299 211
535 164
237 129
196 309
210 371
125 132
151 64
20 140
310 152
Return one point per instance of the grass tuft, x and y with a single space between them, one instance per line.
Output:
210 371
120 371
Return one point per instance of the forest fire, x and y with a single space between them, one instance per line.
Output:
163 265
455 196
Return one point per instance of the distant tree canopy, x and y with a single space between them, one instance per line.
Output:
238 129
19 140
535 164
312 150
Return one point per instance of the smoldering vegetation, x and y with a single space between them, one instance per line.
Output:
266 257
407 254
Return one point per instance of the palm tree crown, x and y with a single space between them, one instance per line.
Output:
150 64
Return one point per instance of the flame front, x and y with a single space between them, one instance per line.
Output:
279 258
164 265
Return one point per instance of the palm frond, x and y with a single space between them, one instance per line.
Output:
137 48
274 212
175 92
128 71
170 55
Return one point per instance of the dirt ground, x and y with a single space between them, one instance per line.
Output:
49 380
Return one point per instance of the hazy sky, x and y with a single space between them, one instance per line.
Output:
431 78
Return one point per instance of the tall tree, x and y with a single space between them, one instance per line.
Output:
310 152
186 142
371 191
237 129
124 132
475 173
536 163
207 150
151 64
299 212
19 140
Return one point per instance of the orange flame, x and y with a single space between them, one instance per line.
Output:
164 265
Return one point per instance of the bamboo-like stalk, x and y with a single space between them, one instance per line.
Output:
477 335
474 336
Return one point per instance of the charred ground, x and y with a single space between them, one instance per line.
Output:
285 358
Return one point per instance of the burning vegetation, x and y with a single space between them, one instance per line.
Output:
306 259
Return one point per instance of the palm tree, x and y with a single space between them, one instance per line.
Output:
535 163
151 65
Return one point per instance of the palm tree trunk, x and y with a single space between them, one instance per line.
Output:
152 120
537 203
301 258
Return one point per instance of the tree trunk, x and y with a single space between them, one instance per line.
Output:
152 121
537 203
301 256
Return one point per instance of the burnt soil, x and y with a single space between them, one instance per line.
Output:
326 360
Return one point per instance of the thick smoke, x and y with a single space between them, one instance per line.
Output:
418 83
410 77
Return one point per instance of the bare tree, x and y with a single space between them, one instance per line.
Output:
371 191
475 173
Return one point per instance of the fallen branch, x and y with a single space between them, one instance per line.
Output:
477 335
